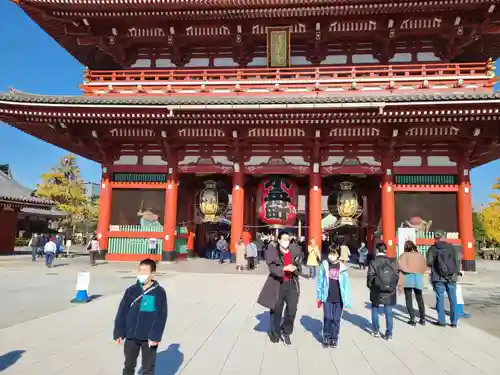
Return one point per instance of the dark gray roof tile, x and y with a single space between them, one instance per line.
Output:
15 96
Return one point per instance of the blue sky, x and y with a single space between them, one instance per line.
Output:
31 61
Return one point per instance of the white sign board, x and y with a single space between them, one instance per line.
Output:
83 281
152 244
405 234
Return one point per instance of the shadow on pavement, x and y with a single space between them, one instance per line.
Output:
93 297
8 359
169 361
313 326
263 324
60 265
358 320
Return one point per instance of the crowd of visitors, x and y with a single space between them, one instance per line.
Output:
50 247
386 278
142 313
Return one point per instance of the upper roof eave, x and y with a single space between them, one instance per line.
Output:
168 5
206 102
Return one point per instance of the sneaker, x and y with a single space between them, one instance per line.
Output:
454 325
437 324
326 343
375 334
286 340
422 322
273 337
388 337
334 344
411 322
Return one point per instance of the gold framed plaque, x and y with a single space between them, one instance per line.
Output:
278 46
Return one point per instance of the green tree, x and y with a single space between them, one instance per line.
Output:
478 225
64 186
492 214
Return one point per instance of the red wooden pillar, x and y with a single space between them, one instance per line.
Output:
190 225
388 209
237 208
466 230
170 226
8 227
104 210
315 203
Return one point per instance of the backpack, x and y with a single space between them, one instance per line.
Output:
386 277
446 264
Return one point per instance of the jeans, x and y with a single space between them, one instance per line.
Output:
34 252
451 289
332 316
409 303
131 350
312 272
389 320
49 257
288 294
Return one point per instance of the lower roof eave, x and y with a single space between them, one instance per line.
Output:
320 100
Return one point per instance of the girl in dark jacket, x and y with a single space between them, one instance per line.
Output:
382 280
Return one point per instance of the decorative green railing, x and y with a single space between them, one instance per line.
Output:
136 228
140 177
415 179
430 235
120 245
423 249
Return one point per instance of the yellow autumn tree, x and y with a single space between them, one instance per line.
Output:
491 214
64 186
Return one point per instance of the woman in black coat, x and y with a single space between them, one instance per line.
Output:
382 280
282 288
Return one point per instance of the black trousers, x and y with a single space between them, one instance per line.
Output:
93 256
420 302
288 295
131 350
251 263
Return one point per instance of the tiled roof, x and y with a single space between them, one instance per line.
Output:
14 96
12 191
55 213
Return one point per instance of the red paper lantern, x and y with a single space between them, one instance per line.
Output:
277 201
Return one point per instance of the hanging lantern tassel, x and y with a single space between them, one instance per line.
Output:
460 304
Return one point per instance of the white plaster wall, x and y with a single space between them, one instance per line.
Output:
153 160
127 160
440 161
401 57
333 160
409 161
370 160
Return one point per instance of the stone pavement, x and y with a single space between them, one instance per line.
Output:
215 327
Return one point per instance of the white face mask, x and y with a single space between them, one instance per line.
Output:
143 279
333 258
284 244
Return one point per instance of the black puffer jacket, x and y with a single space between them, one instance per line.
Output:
376 296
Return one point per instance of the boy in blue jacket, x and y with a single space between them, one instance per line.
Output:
334 294
141 319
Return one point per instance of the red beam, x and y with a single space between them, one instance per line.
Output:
136 234
131 257
426 188
137 185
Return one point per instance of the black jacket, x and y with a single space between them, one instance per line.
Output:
376 296
142 318
431 260
269 294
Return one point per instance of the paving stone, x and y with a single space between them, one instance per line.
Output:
216 327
